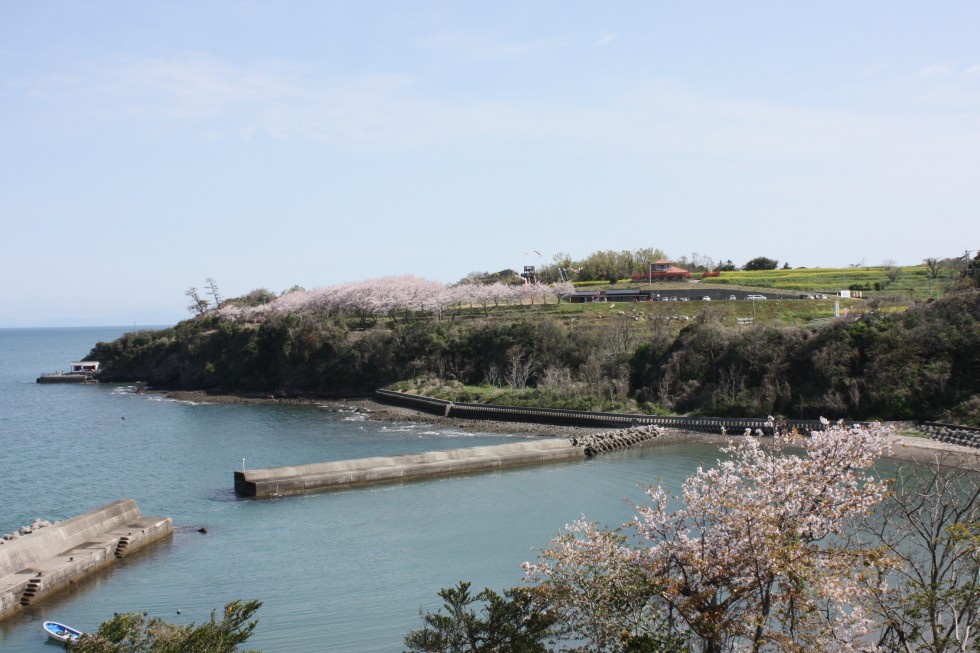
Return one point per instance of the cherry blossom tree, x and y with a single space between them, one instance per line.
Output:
753 560
454 298
589 577
563 290
394 297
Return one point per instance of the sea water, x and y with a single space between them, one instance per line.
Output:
339 571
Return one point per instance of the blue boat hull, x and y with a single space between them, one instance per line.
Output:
61 632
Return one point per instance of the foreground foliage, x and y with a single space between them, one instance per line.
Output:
753 560
788 546
510 623
929 528
135 632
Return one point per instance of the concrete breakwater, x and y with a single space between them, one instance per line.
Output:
635 436
50 559
320 477
954 434
589 419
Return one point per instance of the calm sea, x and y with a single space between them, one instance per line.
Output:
342 571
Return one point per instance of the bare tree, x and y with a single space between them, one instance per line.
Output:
212 286
492 375
933 267
621 337
556 378
668 382
929 525
892 271
198 305
520 366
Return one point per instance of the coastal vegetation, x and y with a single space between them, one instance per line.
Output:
883 358
136 632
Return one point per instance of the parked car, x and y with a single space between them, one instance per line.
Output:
732 298
805 297
756 297
820 296
706 299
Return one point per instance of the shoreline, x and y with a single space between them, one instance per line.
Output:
915 449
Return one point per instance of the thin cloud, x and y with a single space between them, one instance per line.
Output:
477 46
872 71
188 86
937 70
199 96
607 38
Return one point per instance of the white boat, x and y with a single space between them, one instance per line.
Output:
61 632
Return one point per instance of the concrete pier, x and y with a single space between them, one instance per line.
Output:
53 558
320 477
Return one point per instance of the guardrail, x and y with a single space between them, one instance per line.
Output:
564 417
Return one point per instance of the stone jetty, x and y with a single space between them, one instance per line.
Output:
48 558
341 474
619 439
953 434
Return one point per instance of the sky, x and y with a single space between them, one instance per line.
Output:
148 146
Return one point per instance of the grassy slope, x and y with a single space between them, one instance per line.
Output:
912 282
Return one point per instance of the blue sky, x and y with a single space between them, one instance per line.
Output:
145 147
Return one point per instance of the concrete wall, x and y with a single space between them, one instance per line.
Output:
318 477
714 425
35 566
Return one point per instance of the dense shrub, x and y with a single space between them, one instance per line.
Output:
916 364
910 365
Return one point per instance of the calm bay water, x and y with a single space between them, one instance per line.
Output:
342 571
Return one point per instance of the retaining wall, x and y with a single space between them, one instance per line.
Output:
319 477
50 559
732 425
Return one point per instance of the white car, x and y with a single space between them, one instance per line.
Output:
756 297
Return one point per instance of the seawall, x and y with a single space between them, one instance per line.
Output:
591 419
53 558
319 477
